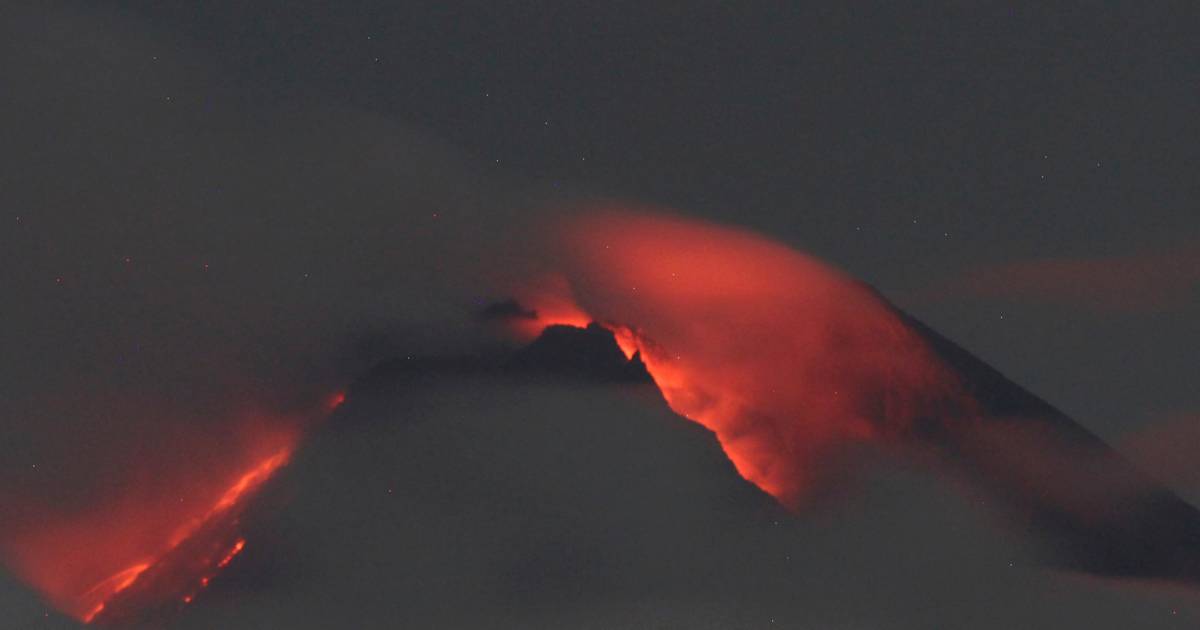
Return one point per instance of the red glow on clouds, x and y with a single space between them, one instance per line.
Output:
243 485
549 298
88 546
784 358
114 584
165 538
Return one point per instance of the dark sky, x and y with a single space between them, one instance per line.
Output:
240 194
913 146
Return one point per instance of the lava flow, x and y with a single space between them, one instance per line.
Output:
141 557
785 359
192 556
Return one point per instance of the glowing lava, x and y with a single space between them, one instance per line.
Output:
110 587
140 556
550 302
786 359
249 481
173 570
237 548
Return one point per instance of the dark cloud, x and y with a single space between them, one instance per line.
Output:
1148 282
507 309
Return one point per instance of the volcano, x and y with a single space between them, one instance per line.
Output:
1101 516
790 362
1092 509
683 389
552 486
1084 505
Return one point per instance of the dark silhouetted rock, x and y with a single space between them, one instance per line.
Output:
590 353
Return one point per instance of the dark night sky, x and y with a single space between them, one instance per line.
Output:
909 146
1021 178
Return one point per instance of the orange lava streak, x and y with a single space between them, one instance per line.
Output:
221 564
237 548
785 359
251 479
110 587
245 484
750 451
139 546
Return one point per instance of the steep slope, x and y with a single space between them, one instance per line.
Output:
1095 510
506 492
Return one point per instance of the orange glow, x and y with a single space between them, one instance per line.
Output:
251 479
116 583
170 532
785 359
93 601
216 567
549 297
237 548
247 482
